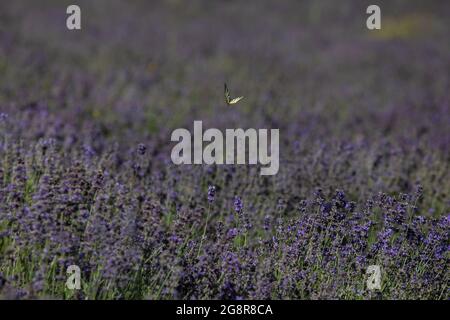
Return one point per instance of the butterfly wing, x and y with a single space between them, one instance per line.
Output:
236 100
227 94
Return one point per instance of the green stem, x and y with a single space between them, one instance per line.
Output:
204 230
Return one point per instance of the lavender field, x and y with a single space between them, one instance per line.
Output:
86 176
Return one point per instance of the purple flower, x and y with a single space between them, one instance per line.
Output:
267 222
141 149
238 206
232 233
211 193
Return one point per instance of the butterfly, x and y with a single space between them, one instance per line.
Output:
228 99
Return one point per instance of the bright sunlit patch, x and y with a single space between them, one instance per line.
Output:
404 27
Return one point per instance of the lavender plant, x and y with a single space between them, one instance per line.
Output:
86 177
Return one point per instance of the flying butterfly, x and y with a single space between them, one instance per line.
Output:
228 99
